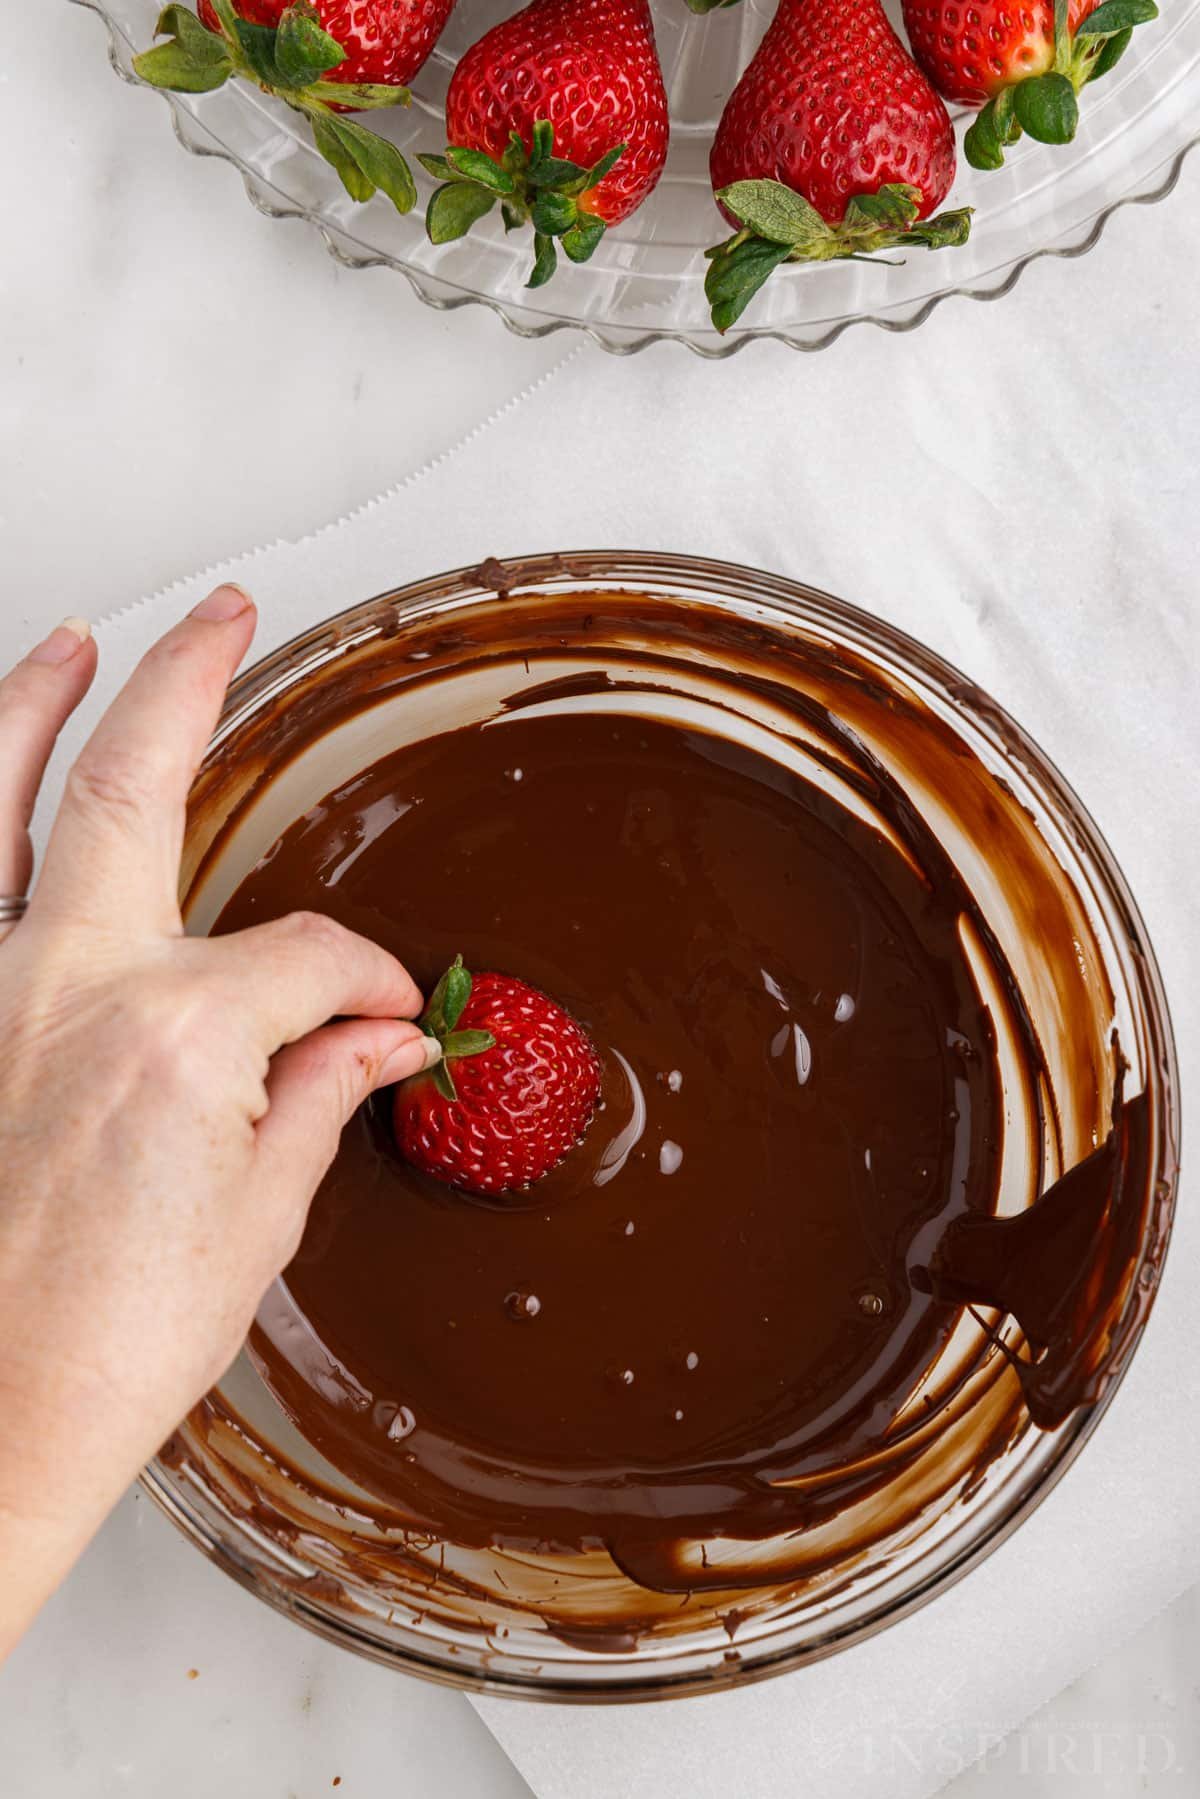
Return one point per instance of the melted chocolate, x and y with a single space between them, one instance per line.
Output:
1061 1268
746 1272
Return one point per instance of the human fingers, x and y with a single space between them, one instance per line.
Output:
296 973
114 850
314 1088
36 699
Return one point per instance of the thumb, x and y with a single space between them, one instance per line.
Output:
315 1086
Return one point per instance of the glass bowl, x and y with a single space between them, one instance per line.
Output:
255 1497
645 282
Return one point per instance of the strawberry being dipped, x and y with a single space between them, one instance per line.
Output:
558 114
515 1090
832 144
1024 63
323 58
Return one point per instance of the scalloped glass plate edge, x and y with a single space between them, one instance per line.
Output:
616 339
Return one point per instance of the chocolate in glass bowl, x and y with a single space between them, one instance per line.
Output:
887 1084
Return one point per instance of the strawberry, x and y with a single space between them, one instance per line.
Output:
560 114
385 41
322 59
1023 61
832 144
514 1092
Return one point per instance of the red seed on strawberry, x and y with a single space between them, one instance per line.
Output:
832 144
323 58
559 115
515 1091
1018 62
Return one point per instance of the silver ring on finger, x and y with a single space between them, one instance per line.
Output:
13 906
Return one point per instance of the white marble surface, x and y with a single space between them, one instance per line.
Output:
150 330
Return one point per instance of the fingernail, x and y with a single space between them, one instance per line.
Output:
63 642
412 1055
222 604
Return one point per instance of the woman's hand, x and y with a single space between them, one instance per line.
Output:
167 1104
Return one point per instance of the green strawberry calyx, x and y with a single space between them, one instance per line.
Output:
532 186
289 60
1046 106
779 225
439 1020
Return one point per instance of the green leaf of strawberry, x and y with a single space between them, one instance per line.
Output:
443 1080
289 60
438 167
541 145
182 23
775 212
445 1007
600 169
337 154
553 213
379 162
456 993
453 209
565 176
196 60
779 225
474 165
545 260
257 46
433 1020
1114 16
358 96
467 1043
173 66
534 186
993 130
1042 61
303 52
890 209
581 240
982 146
736 272
1045 106
1111 51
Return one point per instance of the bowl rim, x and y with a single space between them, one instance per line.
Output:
638 572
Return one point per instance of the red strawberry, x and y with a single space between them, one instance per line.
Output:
560 114
515 1090
832 144
385 41
1021 64
323 59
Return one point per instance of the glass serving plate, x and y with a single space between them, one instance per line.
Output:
237 1478
645 281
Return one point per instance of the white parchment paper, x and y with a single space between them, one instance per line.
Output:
1060 580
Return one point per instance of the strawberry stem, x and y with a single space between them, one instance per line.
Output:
1046 107
532 186
778 225
442 1012
288 60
